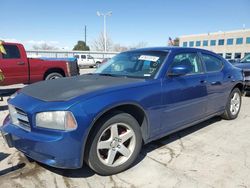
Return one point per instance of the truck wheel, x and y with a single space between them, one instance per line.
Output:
233 105
98 64
53 75
115 144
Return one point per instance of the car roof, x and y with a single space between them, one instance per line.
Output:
172 48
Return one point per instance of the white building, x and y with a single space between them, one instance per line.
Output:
230 44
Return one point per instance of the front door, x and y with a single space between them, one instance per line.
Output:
13 66
184 97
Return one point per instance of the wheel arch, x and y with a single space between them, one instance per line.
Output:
131 108
240 86
53 70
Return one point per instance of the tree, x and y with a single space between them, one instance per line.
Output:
81 46
176 41
44 46
99 43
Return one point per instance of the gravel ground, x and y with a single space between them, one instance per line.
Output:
215 153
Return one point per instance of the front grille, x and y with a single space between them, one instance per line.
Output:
247 73
19 118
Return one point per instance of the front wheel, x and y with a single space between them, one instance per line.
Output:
115 144
233 105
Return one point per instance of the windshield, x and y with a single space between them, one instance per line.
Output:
246 59
142 64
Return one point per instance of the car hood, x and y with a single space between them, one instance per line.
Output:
243 65
64 89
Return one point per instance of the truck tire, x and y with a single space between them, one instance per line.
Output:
53 75
98 64
115 144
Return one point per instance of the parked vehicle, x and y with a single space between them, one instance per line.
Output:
85 60
17 68
138 96
245 65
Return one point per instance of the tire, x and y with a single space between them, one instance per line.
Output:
98 64
104 144
53 75
233 105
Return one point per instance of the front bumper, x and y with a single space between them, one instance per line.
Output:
58 150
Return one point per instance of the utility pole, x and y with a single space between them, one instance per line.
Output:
85 35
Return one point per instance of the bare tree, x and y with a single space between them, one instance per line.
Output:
44 46
119 48
99 44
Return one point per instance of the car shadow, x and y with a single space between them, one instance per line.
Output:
3 156
85 171
3 108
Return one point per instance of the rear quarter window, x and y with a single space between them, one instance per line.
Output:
12 52
212 63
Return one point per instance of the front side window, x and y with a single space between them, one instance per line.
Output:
190 60
212 63
90 57
139 64
12 52
221 42
246 59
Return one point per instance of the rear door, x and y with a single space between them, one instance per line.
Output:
184 97
13 65
217 92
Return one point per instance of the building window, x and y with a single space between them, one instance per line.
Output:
185 44
220 54
237 56
221 42
228 55
198 43
191 43
213 43
239 41
205 42
248 40
230 41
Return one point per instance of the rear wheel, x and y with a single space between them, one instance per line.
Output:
53 75
115 144
233 105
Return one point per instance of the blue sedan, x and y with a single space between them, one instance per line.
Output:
104 118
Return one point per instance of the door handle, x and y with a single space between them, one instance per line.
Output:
216 83
20 63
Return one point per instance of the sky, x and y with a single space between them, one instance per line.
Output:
61 22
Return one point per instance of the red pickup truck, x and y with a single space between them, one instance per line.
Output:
17 68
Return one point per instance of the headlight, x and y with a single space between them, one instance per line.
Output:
13 95
60 120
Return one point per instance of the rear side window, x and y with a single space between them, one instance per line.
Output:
188 59
212 64
83 56
12 52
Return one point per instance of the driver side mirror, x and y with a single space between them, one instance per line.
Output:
179 70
